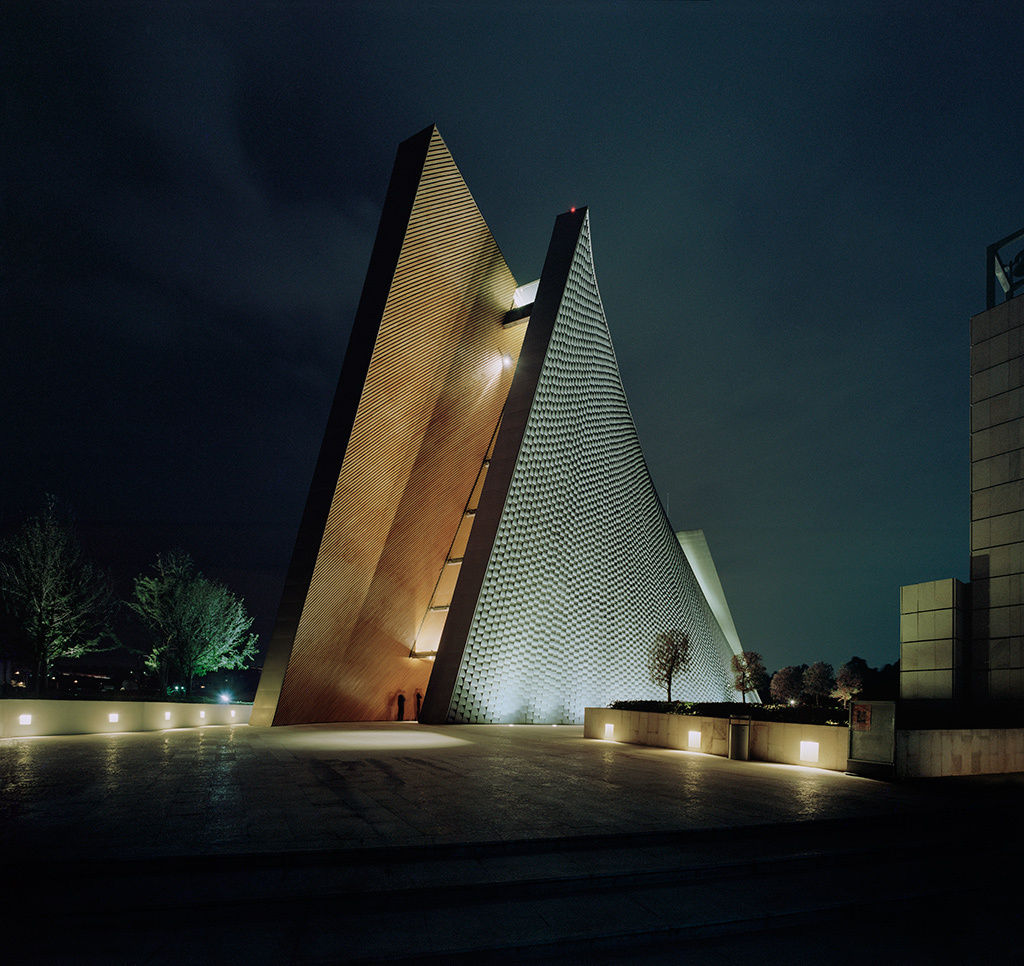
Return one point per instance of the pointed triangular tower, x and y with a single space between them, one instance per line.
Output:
572 567
426 374
506 526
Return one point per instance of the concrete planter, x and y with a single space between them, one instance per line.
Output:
818 746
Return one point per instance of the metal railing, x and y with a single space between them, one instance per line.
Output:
1009 274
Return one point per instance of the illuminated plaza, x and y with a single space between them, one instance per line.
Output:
391 841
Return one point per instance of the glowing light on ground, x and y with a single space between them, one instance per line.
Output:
398 737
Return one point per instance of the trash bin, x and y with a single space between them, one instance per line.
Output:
739 738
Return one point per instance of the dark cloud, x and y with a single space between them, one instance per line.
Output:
789 207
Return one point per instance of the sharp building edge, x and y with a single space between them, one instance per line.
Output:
698 555
421 390
482 541
580 566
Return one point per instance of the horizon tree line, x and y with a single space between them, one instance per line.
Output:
816 684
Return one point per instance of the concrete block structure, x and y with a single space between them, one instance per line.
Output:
934 630
997 501
482 540
938 753
965 643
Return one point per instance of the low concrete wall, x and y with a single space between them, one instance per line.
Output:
979 751
819 746
24 717
711 735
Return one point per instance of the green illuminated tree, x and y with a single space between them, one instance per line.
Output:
58 604
197 625
749 673
669 655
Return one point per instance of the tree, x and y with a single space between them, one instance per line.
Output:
819 680
749 671
59 605
887 682
669 655
787 684
198 625
849 680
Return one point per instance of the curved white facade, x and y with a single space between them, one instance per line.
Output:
583 569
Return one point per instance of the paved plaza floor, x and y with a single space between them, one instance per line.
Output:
245 790
400 842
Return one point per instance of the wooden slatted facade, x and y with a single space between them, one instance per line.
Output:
426 376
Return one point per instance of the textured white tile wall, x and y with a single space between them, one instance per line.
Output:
585 569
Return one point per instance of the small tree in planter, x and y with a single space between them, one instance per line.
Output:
669 655
749 673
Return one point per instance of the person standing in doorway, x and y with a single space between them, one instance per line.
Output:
401 707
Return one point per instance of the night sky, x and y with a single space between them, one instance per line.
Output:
790 205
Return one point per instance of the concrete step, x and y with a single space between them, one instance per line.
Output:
605 898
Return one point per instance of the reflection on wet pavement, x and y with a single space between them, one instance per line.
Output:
241 789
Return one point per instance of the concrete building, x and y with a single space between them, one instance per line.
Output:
934 639
997 502
482 540
965 643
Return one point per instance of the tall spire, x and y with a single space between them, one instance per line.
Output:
420 393
481 495
572 567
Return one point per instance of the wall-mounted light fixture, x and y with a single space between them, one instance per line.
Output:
809 751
